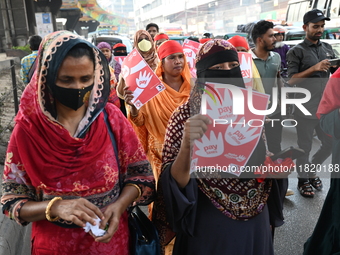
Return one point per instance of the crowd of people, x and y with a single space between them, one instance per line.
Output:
82 152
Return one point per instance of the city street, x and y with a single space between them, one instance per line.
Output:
117 28
300 213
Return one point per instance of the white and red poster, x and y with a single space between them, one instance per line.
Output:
44 23
140 78
231 138
120 59
246 65
190 49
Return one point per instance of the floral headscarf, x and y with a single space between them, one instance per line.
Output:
237 199
52 52
214 52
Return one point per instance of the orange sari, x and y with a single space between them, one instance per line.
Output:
154 115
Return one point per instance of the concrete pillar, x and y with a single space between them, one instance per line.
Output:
4 14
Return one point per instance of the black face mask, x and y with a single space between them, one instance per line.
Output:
72 98
119 53
232 76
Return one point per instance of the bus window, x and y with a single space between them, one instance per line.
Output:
297 9
303 9
296 12
289 14
334 9
321 5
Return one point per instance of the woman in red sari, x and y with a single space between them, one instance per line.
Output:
61 169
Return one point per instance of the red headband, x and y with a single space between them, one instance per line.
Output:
239 41
161 36
169 47
119 45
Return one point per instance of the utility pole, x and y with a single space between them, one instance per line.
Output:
197 26
10 18
186 16
4 15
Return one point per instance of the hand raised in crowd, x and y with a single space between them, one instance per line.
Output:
194 128
77 211
128 95
322 66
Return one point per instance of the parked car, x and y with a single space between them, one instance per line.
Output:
334 43
295 35
288 28
331 33
112 40
178 38
230 35
299 34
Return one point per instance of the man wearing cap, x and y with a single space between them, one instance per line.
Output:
309 68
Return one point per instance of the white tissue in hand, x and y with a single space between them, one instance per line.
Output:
95 229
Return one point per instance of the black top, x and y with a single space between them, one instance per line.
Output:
300 58
325 237
201 229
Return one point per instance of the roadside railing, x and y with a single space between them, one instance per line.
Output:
11 88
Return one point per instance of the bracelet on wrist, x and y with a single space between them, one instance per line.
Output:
48 209
138 188
132 115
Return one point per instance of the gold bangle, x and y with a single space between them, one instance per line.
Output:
48 209
134 116
138 188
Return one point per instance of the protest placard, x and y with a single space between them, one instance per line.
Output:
231 138
190 49
120 59
140 78
246 63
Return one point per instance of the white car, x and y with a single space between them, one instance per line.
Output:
112 40
334 43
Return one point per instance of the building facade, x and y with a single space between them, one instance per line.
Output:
199 16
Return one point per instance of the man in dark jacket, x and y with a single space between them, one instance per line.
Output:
309 68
